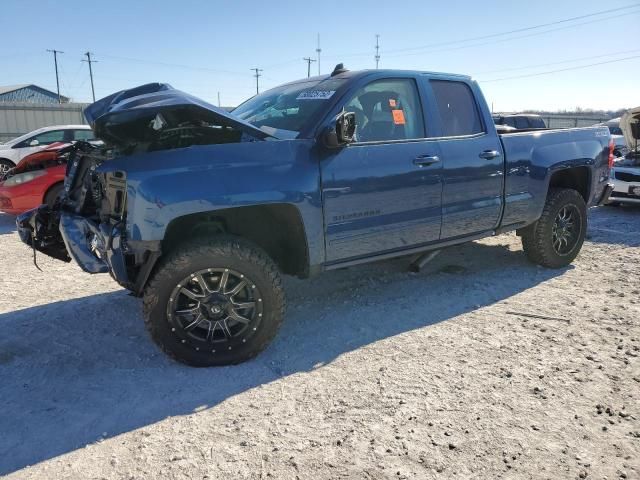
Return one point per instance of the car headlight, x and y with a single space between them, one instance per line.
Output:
23 178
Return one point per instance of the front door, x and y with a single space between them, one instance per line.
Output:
382 192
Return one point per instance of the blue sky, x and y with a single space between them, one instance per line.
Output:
206 47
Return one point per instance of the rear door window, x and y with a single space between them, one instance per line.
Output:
84 135
457 108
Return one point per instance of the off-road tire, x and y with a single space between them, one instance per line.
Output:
219 251
52 194
537 239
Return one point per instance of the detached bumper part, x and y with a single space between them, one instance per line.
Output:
605 194
77 232
38 228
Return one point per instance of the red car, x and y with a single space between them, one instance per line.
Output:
37 179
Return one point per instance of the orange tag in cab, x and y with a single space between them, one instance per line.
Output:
398 117
392 102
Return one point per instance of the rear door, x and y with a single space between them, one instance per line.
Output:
382 192
472 159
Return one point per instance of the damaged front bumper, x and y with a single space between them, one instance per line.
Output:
96 247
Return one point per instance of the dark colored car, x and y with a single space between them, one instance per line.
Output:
520 121
200 211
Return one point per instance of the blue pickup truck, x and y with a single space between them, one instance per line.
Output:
200 211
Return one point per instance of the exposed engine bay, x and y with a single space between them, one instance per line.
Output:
87 223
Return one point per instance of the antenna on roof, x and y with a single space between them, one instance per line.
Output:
338 70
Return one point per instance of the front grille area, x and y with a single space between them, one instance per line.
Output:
627 177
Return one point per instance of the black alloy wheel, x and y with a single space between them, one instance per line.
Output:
215 308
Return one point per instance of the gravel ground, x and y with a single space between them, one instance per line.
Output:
377 373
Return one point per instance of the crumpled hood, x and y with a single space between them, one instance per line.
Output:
630 125
110 117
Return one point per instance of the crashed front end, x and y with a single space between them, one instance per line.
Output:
88 222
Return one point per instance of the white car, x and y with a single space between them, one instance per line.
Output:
625 174
620 148
15 150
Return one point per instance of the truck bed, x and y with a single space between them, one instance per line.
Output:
532 156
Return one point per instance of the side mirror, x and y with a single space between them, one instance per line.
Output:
34 143
341 132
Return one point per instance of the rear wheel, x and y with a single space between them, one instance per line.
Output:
214 302
555 240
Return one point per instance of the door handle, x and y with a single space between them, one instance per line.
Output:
425 160
489 154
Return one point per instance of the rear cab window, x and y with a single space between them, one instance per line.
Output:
521 122
457 108
537 122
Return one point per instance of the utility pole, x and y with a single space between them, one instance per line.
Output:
257 75
219 100
55 61
89 61
308 60
377 57
318 50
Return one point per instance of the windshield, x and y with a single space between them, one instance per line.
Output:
284 111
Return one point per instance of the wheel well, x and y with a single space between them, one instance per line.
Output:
51 188
576 178
7 160
276 228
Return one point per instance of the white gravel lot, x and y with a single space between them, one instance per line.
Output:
376 374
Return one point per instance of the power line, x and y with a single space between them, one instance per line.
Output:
257 75
377 57
509 39
173 65
418 50
308 60
89 61
560 69
519 30
55 62
590 57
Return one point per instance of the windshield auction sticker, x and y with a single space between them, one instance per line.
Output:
316 95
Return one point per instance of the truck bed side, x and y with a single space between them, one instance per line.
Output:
535 160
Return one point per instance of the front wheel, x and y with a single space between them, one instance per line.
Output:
555 240
214 302
5 166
